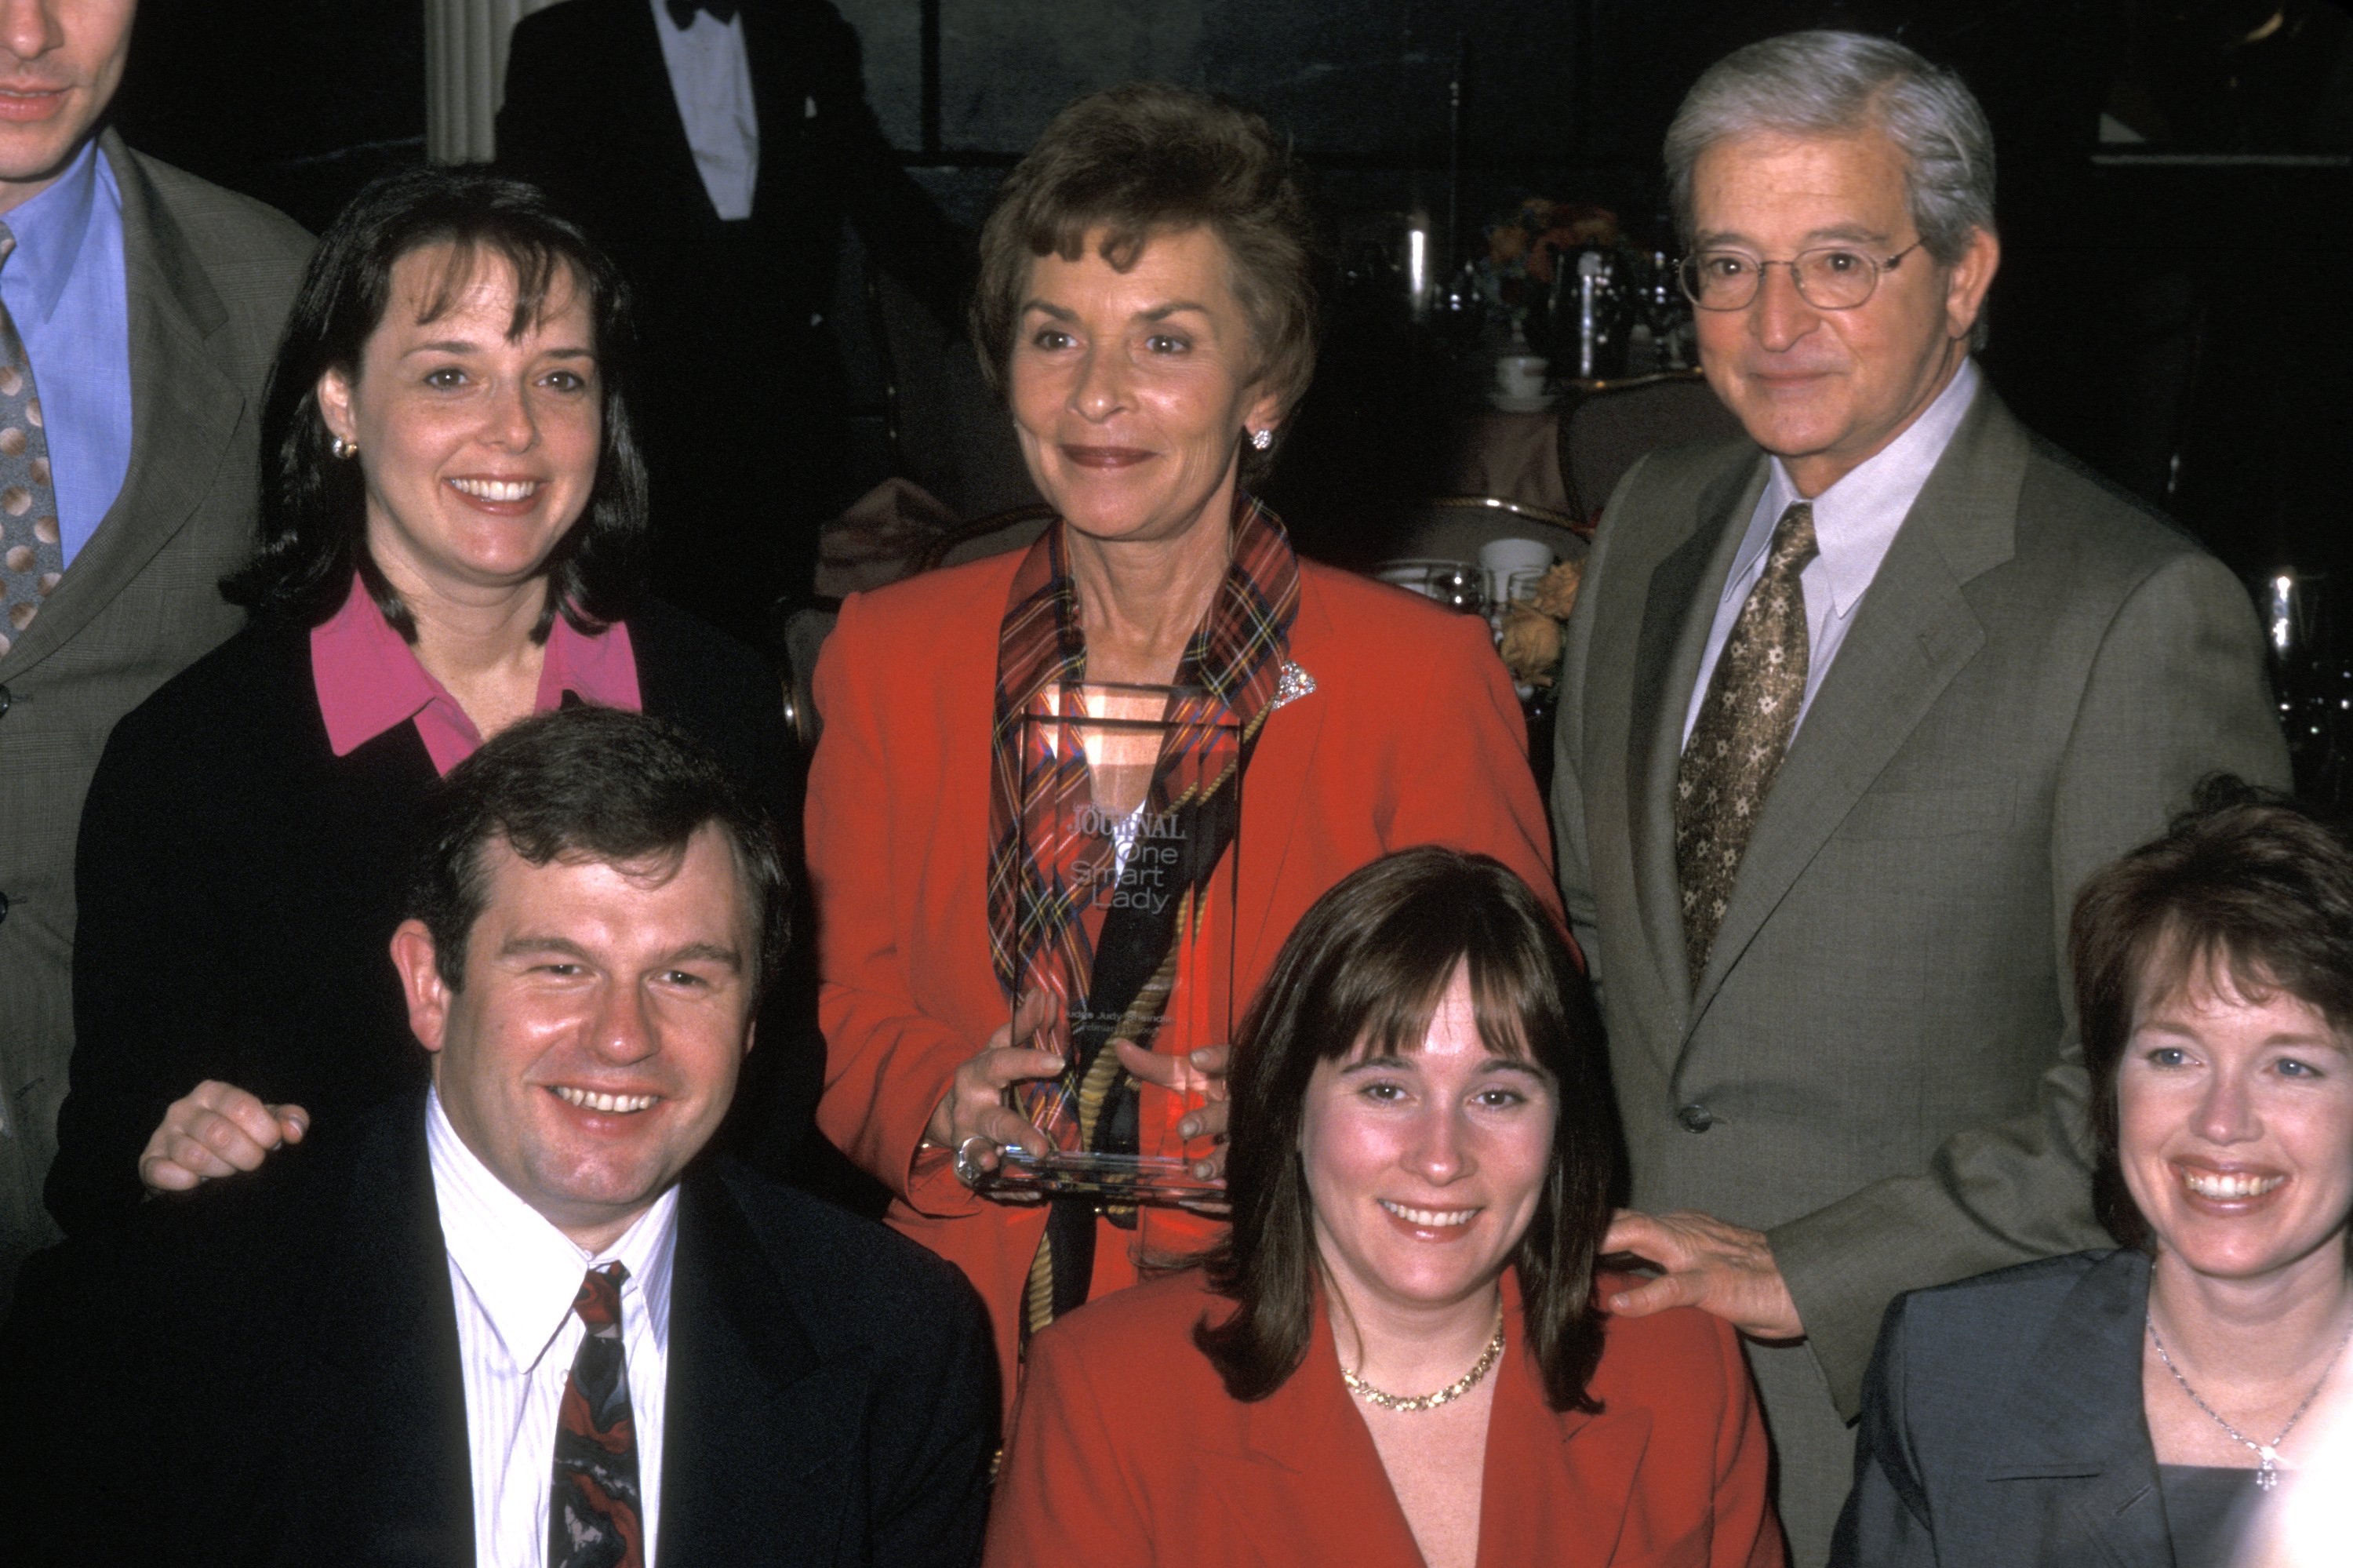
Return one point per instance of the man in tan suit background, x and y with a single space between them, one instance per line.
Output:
147 304
1850 709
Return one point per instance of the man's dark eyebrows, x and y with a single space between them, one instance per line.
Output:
540 942
708 952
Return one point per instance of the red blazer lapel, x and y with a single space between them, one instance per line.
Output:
1276 786
1307 1483
1556 1486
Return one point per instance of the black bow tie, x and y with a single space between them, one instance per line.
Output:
681 12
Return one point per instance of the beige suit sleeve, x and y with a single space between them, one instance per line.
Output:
2177 692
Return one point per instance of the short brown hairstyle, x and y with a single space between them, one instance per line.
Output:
1147 159
590 783
1368 964
2246 883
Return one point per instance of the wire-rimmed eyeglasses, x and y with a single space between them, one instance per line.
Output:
1829 277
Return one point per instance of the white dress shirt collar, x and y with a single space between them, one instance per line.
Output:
525 1272
1855 524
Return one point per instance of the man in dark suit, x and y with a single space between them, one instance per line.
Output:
141 309
717 147
1850 709
516 1320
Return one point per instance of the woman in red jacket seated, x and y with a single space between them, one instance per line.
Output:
1395 1357
1144 303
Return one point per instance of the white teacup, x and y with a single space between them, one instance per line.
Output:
1520 376
1500 558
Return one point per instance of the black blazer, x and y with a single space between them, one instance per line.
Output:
240 884
2002 1426
267 1373
589 116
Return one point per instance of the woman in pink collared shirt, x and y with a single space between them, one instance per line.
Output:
453 511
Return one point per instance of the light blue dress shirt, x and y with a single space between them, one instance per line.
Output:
65 289
1855 523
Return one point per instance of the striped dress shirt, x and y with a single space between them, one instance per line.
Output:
514 1276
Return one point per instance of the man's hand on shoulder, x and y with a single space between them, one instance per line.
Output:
217 1130
1722 1269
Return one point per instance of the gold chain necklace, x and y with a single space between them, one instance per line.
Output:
1405 1404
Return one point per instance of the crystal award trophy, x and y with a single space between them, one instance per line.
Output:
1130 811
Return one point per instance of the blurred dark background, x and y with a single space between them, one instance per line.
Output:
2174 305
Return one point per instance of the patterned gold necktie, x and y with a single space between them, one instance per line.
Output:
32 555
1742 731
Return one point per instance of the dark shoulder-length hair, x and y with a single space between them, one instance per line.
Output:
312 532
1146 159
1366 968
2246 884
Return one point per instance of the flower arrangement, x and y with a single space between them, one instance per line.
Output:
1524 247
1531 640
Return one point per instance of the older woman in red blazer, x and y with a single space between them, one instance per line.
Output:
1396 1359
1144 296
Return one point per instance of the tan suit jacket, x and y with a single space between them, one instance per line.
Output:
209 277
1879 1067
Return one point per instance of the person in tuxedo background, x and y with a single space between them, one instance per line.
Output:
1850 709
142 305
716 146
519 1318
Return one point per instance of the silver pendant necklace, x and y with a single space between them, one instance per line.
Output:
2267 1467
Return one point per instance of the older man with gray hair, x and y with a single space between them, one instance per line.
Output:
1849 708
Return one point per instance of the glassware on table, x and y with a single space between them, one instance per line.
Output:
1458 585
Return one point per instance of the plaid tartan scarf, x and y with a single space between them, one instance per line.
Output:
1040 926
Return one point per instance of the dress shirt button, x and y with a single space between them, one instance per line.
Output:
4 700
1695 1117
3 906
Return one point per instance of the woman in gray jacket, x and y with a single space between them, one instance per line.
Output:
2141 1406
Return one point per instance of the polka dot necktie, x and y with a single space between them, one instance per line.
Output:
32 557
1742 733
595 1519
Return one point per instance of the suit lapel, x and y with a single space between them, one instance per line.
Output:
1678 611
758 1427
2079 1427
1912 634
383 1318
781 100
1275 787
1306 1439
184 409
1556 1485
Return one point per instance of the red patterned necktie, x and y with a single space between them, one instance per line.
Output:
595 1519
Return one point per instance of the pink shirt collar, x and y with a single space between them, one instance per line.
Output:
368 680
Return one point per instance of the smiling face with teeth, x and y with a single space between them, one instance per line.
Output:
593 1045
1424 1167
2235 1130
478 442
